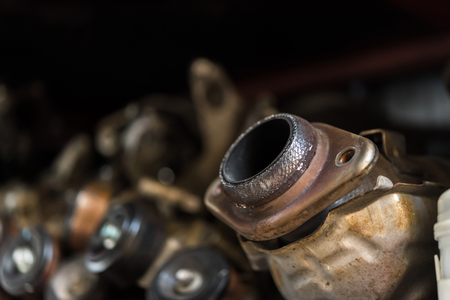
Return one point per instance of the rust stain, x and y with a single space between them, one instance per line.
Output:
405 211
366 223
371 221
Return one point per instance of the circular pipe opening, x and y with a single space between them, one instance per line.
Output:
257 150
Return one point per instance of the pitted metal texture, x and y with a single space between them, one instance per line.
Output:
289 142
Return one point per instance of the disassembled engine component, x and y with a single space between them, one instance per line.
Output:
329 215
442 235
196 274
29 262
145 134
130 245
43 202
149 146
158 139
86 212
72 281
125 243
270 157
189 235
220 112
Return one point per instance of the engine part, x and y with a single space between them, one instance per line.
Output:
29 262
159 138
44 201
193 234
148 146
220 112
442 234
130 245
125 243
195 274
144 135
72 281
332 214
86 212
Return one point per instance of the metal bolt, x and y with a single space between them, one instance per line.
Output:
187 281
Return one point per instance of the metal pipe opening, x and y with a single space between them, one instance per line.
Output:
257 150
267 159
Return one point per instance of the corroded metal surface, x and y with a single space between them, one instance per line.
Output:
374 240
320 185
374 247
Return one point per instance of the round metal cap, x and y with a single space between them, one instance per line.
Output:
25 261
195 274
125 243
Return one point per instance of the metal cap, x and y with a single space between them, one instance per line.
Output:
27 262
267 159
194 274
125 243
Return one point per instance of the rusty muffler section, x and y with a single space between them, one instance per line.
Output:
332 214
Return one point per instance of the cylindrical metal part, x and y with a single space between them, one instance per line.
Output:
29 262
198 274
125 243
356 221
283 171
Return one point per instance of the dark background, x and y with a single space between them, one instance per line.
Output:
86 60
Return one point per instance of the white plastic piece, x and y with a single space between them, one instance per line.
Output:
442 235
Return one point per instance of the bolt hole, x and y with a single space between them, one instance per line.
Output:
345 156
